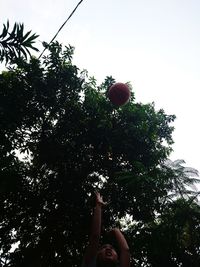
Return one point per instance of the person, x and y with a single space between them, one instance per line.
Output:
106 255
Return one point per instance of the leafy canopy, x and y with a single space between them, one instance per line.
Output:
74 141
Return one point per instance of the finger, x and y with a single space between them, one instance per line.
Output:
96 194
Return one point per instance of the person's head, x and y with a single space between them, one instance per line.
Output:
107 256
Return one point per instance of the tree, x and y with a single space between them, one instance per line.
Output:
184 178
74 141
172 239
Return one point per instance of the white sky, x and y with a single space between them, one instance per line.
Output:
154 44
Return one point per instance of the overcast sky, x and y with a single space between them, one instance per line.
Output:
154 44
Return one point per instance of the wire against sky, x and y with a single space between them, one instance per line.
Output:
61 28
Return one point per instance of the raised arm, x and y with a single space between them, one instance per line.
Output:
123 247
95 234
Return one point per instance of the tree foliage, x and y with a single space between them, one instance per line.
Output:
15 44
74 141
170 240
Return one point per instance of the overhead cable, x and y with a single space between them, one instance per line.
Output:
61 28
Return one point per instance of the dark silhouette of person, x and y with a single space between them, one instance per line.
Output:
106 255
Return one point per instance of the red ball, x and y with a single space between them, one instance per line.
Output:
119 94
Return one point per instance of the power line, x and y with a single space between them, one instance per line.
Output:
61 27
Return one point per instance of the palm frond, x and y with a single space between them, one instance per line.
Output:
15 43
184 179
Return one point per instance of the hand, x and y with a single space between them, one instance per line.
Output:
99 199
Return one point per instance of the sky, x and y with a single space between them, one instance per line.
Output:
154 44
